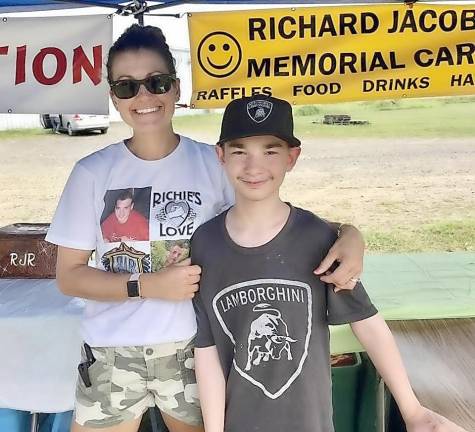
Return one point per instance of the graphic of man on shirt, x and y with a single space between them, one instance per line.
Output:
125 223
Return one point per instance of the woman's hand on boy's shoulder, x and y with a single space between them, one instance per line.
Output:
348 251
425 420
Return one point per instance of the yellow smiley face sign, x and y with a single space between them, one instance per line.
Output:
219 54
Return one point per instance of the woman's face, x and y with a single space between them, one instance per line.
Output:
145 112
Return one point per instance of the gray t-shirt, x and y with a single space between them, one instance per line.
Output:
268 315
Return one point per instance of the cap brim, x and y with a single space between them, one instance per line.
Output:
290 140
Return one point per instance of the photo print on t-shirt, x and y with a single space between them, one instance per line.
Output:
168 252
269 323
126 259
126 215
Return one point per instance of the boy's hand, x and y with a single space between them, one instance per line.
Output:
348 250
425 420
176 282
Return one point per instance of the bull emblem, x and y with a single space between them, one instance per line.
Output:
268 337
260 113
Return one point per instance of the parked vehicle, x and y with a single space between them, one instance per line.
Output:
73 123
45 121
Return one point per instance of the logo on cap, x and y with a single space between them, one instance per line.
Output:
259 110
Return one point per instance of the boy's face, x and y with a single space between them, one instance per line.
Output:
256 166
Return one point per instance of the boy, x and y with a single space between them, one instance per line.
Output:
262 348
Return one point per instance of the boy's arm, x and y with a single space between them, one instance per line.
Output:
211 388
379 343
348 250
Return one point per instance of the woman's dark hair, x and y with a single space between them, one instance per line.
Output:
141 37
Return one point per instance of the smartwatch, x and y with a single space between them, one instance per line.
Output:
133 286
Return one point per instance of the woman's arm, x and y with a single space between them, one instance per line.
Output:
76 278
211 388
348 250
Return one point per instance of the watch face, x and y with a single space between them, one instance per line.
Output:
133 289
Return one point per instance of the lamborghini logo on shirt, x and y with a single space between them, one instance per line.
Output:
277 316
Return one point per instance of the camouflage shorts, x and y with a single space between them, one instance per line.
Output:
127 380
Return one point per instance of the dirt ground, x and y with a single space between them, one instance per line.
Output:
375 184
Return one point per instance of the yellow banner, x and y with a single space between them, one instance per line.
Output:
332 54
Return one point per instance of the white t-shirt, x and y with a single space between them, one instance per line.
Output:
138 216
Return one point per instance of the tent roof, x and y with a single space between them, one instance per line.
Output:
32 5
50 4
35 5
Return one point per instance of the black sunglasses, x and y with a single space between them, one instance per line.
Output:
156 84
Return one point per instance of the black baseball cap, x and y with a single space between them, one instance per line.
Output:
258 115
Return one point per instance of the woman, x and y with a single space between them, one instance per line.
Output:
139 325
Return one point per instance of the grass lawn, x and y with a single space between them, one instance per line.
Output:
446 236
425 118
23 133
442 117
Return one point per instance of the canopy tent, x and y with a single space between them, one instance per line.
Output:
140 6
51 4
